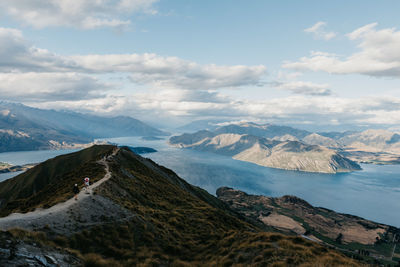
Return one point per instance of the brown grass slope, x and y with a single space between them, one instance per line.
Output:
371 241
51 181
177 224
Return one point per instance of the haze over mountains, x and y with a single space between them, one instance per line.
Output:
26 128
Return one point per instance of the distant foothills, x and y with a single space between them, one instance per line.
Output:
294 149
25 128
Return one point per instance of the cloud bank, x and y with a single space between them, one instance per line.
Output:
28 72
84 14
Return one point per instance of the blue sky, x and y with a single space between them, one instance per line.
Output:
313 64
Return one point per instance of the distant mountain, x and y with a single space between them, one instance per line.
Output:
262 130
369 146
289 155
200 125
320 140
373 140
27 128
142 214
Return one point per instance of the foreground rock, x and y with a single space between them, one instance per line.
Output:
19 252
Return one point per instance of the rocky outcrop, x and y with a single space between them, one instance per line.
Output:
17 252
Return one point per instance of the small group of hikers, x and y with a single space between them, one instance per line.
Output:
86 182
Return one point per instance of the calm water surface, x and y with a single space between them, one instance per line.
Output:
373 193
25 157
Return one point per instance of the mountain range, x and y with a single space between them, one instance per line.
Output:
138 212
289 155
295 149
27 128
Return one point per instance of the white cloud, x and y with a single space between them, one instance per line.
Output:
318 31
172 71
86 14
170 104
379 55
304 88
17 55
44 87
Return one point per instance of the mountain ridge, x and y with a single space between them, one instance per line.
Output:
168 221
27 128
292 214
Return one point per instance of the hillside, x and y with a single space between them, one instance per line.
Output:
157 219
26 128
50 181
288 155
290 214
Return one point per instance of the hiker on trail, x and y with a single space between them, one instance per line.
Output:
87 183
76 191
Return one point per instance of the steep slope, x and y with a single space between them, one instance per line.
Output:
290 214
51 181
289 155
26 128
172 224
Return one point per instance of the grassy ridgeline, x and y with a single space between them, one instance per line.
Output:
174 224
51 181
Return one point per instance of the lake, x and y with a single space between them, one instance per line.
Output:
373 193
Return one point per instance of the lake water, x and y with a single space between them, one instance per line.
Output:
373 193
25 157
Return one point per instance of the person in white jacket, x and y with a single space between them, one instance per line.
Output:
86 181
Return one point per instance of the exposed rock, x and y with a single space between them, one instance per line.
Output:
15 252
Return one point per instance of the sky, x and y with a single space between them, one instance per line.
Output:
313 64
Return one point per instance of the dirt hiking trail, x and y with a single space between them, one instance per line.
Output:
72 215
